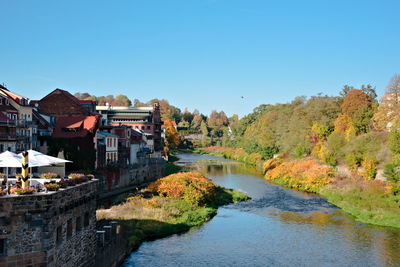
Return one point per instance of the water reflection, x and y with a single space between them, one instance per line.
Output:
277 227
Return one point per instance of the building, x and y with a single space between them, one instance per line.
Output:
137 152
74 129
26 129
8 125
111 141
145 119
124 142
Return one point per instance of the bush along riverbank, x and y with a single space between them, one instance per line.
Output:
170 205
369 201
233 153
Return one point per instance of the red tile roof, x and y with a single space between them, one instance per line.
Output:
84 125
13 96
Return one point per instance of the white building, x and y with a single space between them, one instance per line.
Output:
111 141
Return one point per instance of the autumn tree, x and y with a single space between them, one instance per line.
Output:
171 135
196 122
187 116
358 105
389 107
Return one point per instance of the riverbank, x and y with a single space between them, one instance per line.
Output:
170 205
372 202
238 154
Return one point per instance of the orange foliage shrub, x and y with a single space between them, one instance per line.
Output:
308 175
189 186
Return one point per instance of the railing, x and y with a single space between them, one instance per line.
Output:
8 137
24 123
8 123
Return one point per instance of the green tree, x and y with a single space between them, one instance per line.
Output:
394 138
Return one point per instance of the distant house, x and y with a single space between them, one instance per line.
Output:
137 147
144 119
111 142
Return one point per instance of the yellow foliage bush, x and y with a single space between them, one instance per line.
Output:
189 186
368 169
271 164
308 175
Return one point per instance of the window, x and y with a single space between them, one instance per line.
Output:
115 141
78 225
86 219
148 127
142 127
59 235
7 102
1 101
3 250
69 228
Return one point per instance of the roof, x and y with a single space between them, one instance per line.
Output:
61 103
42 123
12 95
107 134
136 133
76 126
86 101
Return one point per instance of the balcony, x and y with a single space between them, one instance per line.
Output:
8 137
24 123
9 123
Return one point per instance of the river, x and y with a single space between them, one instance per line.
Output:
278 227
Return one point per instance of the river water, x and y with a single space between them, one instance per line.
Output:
278 227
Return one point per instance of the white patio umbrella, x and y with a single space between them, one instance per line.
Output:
37 159
10 160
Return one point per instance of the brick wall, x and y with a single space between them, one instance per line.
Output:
34 228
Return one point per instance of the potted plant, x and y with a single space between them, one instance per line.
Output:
78 177
63 183
23 191
52 186
49 175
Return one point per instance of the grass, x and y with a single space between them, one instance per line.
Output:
165 207
367 201
171 168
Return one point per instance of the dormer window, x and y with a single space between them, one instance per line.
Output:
7 102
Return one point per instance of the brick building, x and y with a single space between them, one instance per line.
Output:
74 130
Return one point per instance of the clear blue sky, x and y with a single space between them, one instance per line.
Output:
202 54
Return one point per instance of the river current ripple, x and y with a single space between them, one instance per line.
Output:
278 227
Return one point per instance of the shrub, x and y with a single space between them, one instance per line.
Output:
22 191
190 186
307 175
78 178
49 175
90 176
271 164
63 183
369 169
52 186
354 160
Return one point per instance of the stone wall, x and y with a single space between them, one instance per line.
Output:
120 180
50 229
